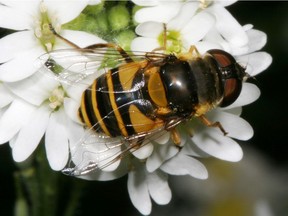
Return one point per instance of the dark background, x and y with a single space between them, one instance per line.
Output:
268 116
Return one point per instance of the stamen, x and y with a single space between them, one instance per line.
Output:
57 98
42 29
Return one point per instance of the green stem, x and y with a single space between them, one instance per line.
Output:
75 196
31 186
21 205
48 184
40 183
41 191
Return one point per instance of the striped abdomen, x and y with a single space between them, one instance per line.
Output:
114 103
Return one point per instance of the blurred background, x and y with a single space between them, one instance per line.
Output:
256 186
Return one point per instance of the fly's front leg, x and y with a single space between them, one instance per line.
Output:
212 124
164 47
192 54
62 38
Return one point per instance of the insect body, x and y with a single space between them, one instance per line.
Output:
138 97
148 93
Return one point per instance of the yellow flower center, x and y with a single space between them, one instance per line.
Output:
173 41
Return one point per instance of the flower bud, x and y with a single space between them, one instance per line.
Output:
118 17
124 39
93 10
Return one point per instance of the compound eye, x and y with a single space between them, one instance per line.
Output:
232 89
231 75
222 58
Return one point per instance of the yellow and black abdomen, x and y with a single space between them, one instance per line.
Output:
114 104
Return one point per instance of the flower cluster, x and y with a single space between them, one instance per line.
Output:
33 105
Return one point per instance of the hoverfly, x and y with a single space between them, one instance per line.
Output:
143 95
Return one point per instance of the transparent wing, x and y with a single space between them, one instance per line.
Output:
73 66
96 151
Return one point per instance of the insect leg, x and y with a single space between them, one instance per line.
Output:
212 124
194 51
164 36
62 38
114 46
175 136
192 54
164 39
94 46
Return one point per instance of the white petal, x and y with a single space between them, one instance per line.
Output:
235 111
144 151
213 142
144 44
257 62
82 155
138 191
12 141
236 127
191 150
71 109
15 43
30 134
82 39
29 7
203 46
163 138
149 29
225 3
197 28
87 147
158 187
14 18
160 154
56 140
6 96
75 133
185 165
239 50
65 10
161 13
249 94
186 12
257 39
94 2
146 2
101 175
75 92
216 40
21 66
34 89
229 28
12 120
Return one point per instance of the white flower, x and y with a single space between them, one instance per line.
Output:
164 10
6 97
149 167
33 36
94 2
32 102
142 185
212 28
35 105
